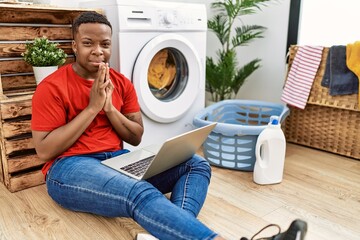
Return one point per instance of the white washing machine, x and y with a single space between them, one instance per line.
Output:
161 47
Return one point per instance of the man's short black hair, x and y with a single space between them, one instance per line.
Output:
89 17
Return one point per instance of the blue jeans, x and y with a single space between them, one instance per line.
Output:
82 183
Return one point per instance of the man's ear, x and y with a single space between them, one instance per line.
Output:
74 47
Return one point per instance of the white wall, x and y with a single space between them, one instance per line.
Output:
265 83
337 24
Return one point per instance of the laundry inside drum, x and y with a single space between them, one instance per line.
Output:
167 74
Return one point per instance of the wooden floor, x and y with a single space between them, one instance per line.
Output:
319 187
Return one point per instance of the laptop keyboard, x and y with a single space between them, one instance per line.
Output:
138 168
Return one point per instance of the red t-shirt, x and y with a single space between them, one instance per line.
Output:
63 95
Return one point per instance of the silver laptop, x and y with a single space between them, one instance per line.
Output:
148 161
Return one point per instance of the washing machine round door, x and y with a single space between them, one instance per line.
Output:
167 76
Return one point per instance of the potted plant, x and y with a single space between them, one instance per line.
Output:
44 56
223 76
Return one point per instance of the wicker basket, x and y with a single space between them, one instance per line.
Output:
330 123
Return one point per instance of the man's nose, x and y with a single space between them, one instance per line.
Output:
97 50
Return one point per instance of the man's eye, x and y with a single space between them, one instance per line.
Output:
87 43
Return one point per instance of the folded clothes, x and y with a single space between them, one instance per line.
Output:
353 61
353 57
301 76
342 80
325 82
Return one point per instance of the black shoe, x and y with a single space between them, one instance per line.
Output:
296 231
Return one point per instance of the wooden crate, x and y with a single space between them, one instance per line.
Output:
20 166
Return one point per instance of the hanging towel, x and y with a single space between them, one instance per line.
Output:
353 61
342 80
301 75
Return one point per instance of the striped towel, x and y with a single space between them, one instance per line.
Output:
301 76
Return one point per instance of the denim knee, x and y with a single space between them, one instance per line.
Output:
141 193
199 164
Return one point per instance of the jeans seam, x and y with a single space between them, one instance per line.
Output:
185 188
89 190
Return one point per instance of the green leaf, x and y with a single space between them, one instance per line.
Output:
246 34
42 52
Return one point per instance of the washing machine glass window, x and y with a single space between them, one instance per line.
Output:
168 74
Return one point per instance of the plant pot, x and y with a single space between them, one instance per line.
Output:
208 99
42 72
209 103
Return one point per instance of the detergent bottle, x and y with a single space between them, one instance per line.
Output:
270 154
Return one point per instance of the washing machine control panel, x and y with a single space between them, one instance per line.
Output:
174 19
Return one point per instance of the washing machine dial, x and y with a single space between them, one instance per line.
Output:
168 18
